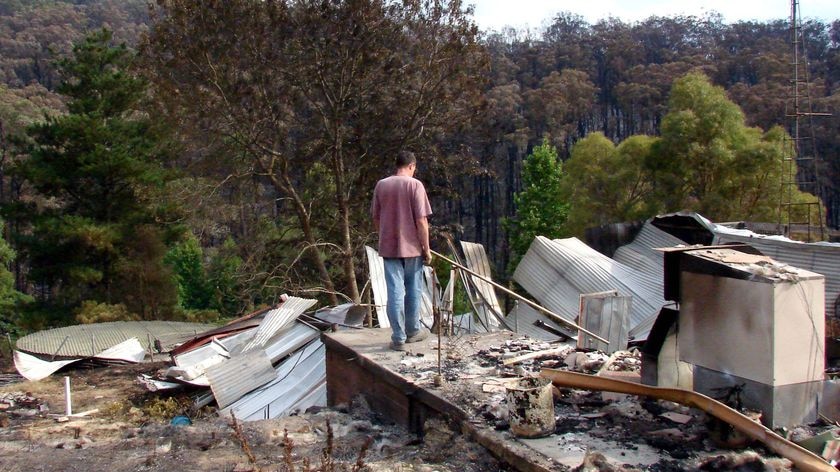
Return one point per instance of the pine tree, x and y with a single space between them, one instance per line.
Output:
96 171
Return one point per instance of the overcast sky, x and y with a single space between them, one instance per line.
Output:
495 14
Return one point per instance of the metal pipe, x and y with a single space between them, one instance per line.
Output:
803 459
536 306
59 348
68 403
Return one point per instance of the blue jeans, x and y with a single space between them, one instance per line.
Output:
403 278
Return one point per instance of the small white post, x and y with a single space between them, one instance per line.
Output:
67 400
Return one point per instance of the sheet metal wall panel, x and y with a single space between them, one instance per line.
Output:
377 285
106 335
605 316
476 260
276 319
822 258
295 379
557 272
380 291
239 375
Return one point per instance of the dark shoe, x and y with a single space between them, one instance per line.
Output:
397 346
419 336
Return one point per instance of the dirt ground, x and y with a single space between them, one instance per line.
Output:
131 431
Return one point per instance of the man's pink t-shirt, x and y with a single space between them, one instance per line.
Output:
398 201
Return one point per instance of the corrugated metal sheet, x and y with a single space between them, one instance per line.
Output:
380 290
89 339
377 284
298 380
485 301
522 318
648 262
33 368
240 374
557 272
276 319
606 316
822 258
289 339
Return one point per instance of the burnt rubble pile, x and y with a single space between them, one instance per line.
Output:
20 404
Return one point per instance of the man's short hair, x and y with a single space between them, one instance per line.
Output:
405 158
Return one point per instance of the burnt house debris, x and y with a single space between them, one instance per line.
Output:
723 323
687 340
749 322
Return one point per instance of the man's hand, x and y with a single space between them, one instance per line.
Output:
427 257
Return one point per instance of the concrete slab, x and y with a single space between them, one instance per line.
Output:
569 449
400 387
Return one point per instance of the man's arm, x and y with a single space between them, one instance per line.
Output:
423 236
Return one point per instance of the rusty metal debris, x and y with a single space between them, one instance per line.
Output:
805 460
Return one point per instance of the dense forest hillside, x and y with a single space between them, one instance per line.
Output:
246 205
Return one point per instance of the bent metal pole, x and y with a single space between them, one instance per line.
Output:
536 306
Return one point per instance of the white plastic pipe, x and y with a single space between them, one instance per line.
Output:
67 401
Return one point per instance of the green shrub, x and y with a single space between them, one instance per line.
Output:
94 312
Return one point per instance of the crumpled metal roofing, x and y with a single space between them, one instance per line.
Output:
822 258
557 272
522 318
276 319
300 381
90 339
240 374
642 256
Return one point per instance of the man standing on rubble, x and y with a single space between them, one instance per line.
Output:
400 211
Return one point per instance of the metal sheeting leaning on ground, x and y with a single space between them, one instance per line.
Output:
523 319
239 375
192 366
557 272
90 339
300 382
475 258
33 368
376 266
642 256
237 363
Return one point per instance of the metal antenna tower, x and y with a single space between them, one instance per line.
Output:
800 171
